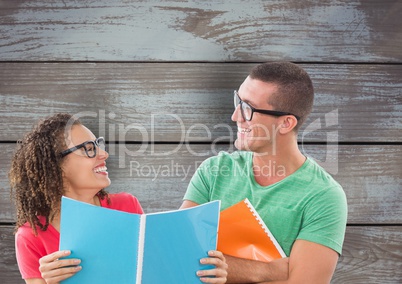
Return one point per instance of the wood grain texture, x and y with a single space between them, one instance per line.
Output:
9 273
164 72
159 174
251 30
192 101
370 255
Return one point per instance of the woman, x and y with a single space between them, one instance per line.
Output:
61 157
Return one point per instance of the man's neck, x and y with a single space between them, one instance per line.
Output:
270 169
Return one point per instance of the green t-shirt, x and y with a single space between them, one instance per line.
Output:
309 204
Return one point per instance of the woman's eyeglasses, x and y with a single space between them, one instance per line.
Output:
88 146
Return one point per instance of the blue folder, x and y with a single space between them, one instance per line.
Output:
120 247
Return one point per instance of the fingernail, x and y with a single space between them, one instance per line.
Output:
78 268
66 252
203 260
211 252
77 261
199 273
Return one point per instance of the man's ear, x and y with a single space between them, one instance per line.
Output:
288 123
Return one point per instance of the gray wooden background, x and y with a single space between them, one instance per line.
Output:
156 79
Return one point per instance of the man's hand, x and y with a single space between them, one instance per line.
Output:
219 273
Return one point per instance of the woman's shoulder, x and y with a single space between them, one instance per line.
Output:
47 239
123 201
26 230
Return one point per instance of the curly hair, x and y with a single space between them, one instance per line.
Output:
36 176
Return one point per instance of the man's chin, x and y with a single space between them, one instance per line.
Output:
241 146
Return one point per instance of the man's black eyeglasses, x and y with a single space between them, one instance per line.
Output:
247 110
89 147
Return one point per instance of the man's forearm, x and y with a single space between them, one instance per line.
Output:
251 271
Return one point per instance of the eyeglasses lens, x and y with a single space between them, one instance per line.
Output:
246 110
90 149
236 99
100 142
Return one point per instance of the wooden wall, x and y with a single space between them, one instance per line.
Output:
156 79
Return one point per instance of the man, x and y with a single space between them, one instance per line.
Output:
302 205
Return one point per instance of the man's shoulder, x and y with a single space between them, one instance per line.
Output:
324 182
320 171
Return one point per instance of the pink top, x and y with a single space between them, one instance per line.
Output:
30 248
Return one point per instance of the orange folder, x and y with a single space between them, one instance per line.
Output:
242 233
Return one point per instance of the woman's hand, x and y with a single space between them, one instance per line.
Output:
53 269
219 273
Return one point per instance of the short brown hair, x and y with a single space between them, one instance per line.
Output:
295 89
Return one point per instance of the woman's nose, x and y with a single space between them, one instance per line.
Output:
103 154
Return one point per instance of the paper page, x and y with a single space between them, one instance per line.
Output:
105 240
175 241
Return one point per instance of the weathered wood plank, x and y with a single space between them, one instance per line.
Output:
370 255
178 102
159 174
9 272
251 30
